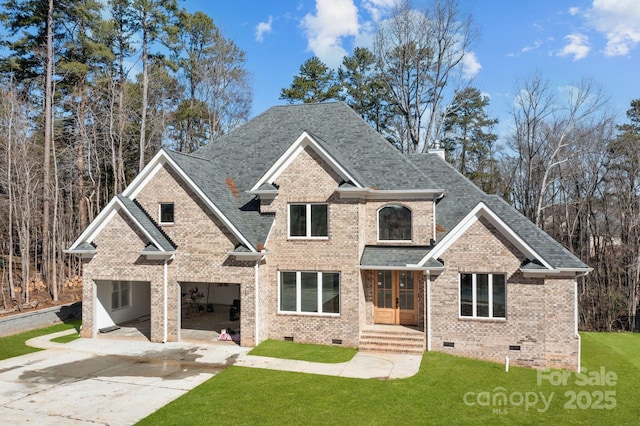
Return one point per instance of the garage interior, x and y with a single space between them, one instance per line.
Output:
206 309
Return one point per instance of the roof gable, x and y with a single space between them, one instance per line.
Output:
462 197
138 217
482 210
300 144
249 152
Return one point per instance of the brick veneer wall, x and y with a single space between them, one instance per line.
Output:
308 179
202 257
540 313
421 216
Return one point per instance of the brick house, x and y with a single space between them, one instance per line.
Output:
327 234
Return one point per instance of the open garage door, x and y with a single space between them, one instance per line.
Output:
208 308
123 304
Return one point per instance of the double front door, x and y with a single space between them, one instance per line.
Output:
396 297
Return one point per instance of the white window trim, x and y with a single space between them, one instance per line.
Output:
160 222
378 225
298 310
474 300
113 287
308 235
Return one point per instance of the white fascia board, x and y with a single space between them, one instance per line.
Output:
141 228
105 216
151 169
407 267
163 255
482 210
390 194
235 231
562 272
304 140
146 174
96 224
248 256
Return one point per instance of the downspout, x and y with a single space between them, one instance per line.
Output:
256 269
428 307
166 304
575 315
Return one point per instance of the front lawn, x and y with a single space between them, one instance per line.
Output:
14 345
447 390
314 353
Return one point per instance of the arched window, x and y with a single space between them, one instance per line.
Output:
394 223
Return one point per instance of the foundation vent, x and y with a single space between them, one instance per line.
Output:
288 338
449 344
336 341
514 347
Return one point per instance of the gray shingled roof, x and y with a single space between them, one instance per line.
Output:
394 256
462 196
211 179
250 150
148 225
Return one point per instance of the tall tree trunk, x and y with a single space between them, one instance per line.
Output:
12 293
145 92
48 140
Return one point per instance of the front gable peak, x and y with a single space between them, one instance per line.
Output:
483 211
304 141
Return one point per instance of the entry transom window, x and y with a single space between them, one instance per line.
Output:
394 223
166 213
121 295
312 292
482 295
308 220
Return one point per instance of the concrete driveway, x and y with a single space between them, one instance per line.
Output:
104 381
119 382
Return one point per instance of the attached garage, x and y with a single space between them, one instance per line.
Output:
121 302
208 308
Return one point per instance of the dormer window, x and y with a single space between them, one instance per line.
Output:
166 214
308 220
394 223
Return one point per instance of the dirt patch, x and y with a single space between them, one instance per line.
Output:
38 299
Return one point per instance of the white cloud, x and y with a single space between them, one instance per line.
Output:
619 21
334 20
574 11
263 28
578 46
470 65
379 8
536 44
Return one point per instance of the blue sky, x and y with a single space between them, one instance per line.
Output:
564 40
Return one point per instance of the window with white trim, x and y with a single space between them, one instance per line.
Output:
309 292
308 220
483 295
120 295
394 223
166 213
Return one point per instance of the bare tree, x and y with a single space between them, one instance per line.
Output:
420 54
549 129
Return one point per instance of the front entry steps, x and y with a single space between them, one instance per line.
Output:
391 339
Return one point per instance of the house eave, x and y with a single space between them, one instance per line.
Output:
407 267
264 194
83 254
162 255
557 272
249 256
387 194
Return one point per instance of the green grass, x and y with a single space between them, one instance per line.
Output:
436 395
66 339
14 345
314 353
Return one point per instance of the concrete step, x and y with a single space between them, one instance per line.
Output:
392 339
